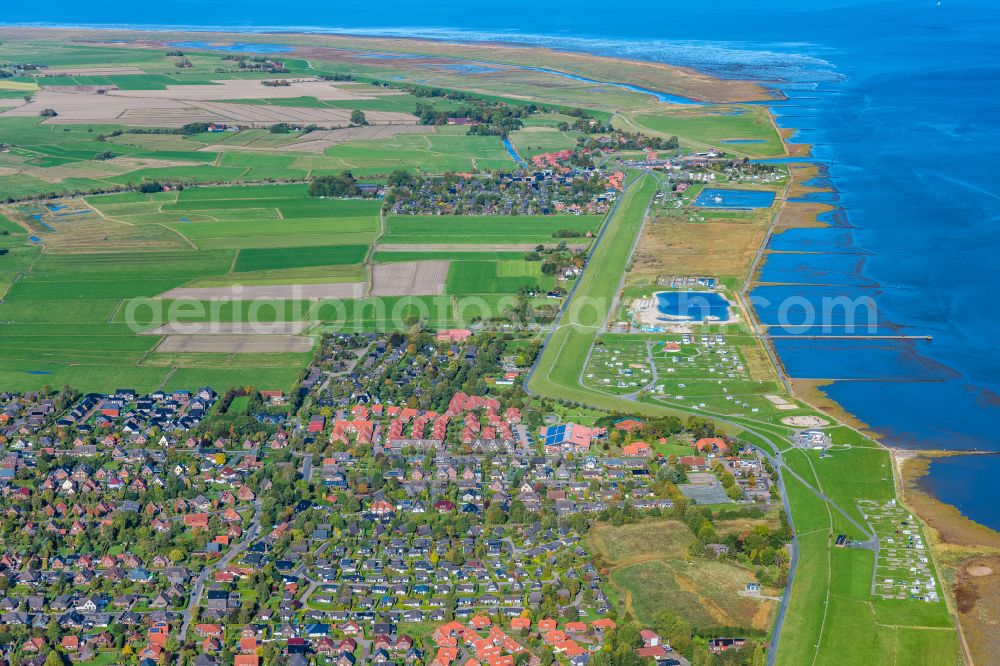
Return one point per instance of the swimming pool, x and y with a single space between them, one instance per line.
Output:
712 197
692 305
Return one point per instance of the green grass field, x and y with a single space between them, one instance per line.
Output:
496 277
722 127
259 259
448 149
531 229
67 316
557 372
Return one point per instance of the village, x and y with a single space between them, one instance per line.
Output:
378 522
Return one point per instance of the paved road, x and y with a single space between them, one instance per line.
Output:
307 465
199 584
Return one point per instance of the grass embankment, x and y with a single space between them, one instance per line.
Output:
557 374
832 611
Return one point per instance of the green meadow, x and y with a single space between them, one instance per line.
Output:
449 148
718 127
258 259
496 277
530 229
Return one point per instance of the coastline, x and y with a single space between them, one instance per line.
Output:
965 553
948 525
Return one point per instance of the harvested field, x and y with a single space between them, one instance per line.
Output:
166 108
229 328
235 344
466 247
252 89
276 291
409 278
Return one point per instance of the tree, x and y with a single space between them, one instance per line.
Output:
53 632
400 178
342 185
358 117
48 113
53 659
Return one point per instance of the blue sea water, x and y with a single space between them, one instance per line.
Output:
901 101
958 480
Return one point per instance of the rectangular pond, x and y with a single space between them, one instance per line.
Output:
712 197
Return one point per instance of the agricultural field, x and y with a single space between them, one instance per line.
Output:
448 149
541 136
496 277
79 294
474 229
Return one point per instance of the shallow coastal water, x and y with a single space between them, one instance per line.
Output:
901 101
958 480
